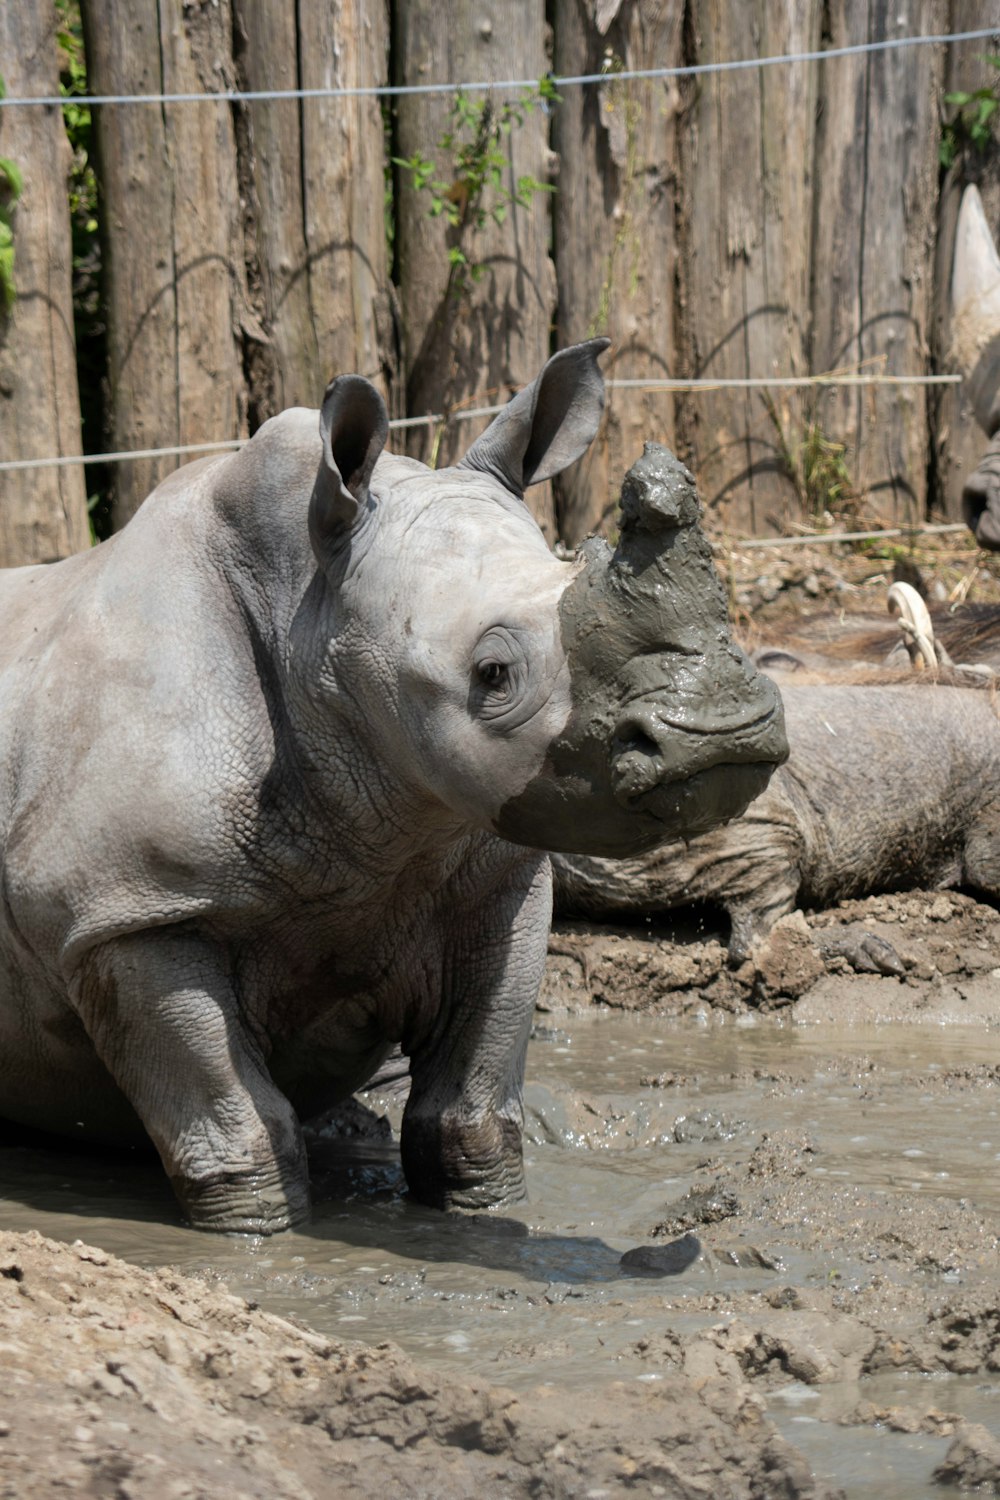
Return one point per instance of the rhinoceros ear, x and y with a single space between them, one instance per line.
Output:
354 425
548 424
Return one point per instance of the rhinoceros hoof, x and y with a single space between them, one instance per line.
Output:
466 1166
243 1202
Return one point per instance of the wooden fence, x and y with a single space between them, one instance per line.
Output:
770 221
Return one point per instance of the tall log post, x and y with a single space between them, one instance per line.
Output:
615 231
747 192
876 218
173 256
313 170
43 512
479 343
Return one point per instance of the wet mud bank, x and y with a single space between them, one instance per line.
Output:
760 1257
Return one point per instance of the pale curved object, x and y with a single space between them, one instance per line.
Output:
915 623
975 310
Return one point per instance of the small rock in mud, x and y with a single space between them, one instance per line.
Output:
698 1206
973 1461
668 1080
816 1348
746 1257
906 1419
662 1260
779 1155
961 1337
864 952
786 962
706 1126
350 1120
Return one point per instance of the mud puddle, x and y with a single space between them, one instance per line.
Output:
826 1200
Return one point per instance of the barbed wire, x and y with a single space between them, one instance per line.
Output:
434 419
626 75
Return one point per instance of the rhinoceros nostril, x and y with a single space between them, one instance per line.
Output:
631 740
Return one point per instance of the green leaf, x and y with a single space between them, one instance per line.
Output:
8 291
14 176
960 98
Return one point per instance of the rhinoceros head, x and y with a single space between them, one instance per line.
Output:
672 729
594 706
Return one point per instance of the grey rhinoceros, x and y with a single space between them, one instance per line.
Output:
276 765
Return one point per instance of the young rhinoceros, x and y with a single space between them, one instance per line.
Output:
262 756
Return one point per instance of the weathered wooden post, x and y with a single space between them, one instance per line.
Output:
313 174
747 203
616 241
43 512
876 227
472 335
173 244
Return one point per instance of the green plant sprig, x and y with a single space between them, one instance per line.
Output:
11 188
815 463
971 127
475 193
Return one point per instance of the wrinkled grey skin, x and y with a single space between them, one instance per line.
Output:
981 497
253 754
886 787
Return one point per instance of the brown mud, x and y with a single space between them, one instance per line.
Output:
761 1257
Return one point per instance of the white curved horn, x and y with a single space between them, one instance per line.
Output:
915 622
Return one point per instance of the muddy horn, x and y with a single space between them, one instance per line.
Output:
975 310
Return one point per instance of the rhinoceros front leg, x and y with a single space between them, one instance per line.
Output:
463 1122
162 1013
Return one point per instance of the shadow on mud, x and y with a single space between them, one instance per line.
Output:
360 1199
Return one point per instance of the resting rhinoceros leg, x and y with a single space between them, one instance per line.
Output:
462 1126
162 1014
981 498
981 860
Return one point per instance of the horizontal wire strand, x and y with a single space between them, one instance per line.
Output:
793 382
395 91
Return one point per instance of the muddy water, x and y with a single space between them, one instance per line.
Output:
623 1113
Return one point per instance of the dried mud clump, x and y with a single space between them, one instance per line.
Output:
124 1382
913 955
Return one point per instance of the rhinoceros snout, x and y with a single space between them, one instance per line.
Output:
652 749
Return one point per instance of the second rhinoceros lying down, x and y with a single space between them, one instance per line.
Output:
277 760
886 788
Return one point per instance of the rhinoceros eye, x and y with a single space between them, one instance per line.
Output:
493 674
499 676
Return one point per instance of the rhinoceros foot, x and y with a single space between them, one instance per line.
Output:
468 1165
260 1202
